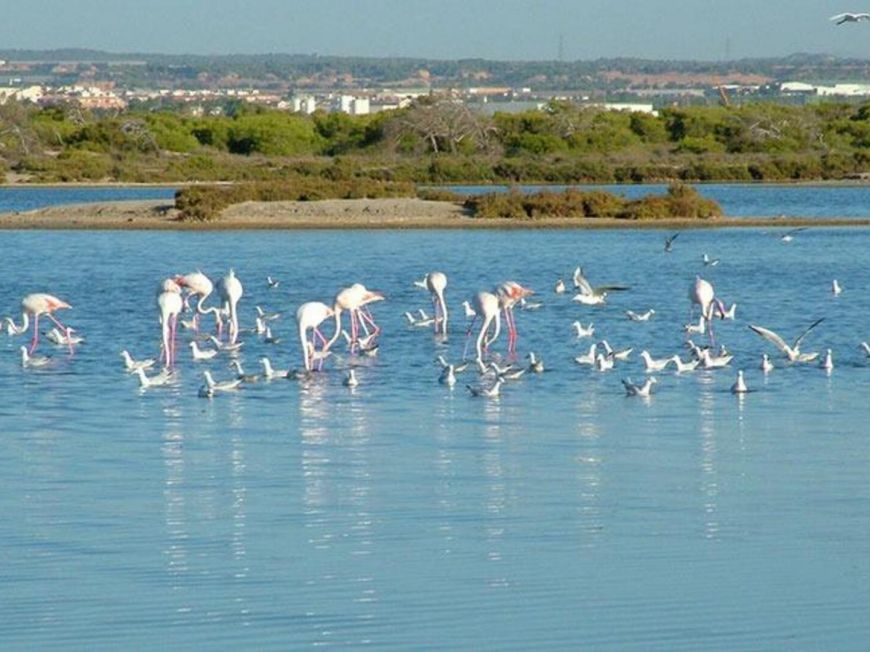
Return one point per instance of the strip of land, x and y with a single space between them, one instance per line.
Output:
400 213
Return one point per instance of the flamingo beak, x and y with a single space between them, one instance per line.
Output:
374 295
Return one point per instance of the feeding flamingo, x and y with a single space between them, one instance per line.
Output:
34 305
309 316
354 299
509 294
169 303
231 292
200 285
436 283
487 306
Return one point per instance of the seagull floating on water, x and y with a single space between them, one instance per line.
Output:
739 386
652 365
622 355
132 365
559 288
33 361
350 380
828 361
683 367
788 236
766 364
725 313
642 391
709 262
643 316
272 282
669 242
581 331
161 378
696 329
836 290
222 386
269 373
536 365
587 358
487 392
225 346
202 354
448 376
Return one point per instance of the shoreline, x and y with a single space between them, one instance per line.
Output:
353 214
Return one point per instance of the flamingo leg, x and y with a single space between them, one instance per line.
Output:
35 340
468 338
365 316
63 329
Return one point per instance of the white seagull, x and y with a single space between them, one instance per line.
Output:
683 367
766 364
581 331
559 288
652 365
836 290
643 316
866 348
828 361
793 352
132 365
639 390
153 381
223 386
487 392
588 358
592 296
839 19
201 354
269 373
350 380
621 355
35 361
536 365
448 376
739 386
709 262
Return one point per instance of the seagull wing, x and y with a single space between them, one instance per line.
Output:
798 230
772 337
581 283
797 342
839 17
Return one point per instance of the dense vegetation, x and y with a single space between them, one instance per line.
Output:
438 140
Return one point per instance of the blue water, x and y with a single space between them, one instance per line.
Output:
29 198
742 200
406 515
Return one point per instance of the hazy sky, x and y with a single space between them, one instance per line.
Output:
493 29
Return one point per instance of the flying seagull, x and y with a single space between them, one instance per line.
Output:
793 352
839 19
669 242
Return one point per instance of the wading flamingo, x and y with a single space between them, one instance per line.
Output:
231 291
353 299
34 305
169 304
487 306
200 285
701 293
309 316
509 294
436 283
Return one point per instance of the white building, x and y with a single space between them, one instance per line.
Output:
360 106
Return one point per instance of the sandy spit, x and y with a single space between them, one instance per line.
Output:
344 214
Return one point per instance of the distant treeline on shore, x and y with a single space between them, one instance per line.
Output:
438 140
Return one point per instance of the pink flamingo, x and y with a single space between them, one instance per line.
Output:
231 292
200 285
34 305
701 293
309 316
169 303
509 293
486 305
436 283
354 299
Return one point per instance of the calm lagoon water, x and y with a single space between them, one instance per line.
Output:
406 515
28 198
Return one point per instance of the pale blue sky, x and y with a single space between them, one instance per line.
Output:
446 29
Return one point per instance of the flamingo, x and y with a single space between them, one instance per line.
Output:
34 305
509 293
169 303
701 293
354 299
309 316
436 282
231 292
200 285
487 305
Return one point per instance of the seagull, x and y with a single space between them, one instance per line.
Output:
588 358
603 363
652 365
61 339
34 361
220 346
469 311
709 361
644 316
421 284
788 236
621 355
202 354
836 290
267 316
592 296
697 329
639 390
725 313
448 376
223 386
487 392
458 368
766 364
241 375
709 262
530 305
272 282
559 288
669 242
268 338
793 352
866 348
839 19
350 380
739 386
588 331
132 365
269 373
536 365
411 318
153 381
507 373
828 361
683 367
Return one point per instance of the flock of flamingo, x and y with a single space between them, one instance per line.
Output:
189 293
